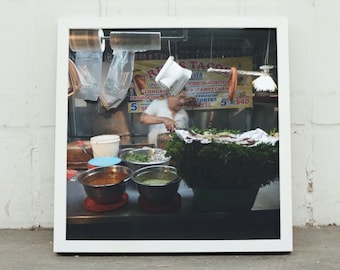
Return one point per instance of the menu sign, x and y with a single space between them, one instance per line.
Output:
209 89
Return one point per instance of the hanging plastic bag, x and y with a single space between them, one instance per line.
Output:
74 83
110 102
89 65
120 74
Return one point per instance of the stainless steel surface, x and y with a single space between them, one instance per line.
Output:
132 221
158 194
105 193
135 41
87 40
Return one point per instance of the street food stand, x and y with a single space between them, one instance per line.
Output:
222 60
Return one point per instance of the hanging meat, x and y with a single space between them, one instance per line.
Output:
232 83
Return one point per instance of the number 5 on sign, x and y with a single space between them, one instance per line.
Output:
223 102
133 107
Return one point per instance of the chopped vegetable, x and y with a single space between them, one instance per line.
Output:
138 157
146 156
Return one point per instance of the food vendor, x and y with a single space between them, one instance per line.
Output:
164 115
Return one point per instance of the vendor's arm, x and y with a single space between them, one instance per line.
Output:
148 119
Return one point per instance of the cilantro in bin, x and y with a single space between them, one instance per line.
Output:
219 165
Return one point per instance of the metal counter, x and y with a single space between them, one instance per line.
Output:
133 222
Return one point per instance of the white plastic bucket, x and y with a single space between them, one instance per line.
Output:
105 145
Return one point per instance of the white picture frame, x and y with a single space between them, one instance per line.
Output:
284 243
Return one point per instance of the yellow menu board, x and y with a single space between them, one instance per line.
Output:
210 89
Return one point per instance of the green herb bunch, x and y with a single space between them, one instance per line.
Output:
219 165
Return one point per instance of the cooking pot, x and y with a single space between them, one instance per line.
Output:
162 140
105 184
157 184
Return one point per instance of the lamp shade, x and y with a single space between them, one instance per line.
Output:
173 77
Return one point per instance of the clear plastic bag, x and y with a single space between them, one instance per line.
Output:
120 73
89 65
110 102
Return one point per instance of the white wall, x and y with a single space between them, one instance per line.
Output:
28 31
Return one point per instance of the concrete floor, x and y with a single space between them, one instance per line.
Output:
314 248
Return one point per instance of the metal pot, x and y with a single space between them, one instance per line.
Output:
162 140
151 152
105 184
157 184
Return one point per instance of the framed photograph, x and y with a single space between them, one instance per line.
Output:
231 166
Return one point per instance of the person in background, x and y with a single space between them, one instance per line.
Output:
165 115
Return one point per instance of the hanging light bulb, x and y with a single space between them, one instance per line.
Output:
265 82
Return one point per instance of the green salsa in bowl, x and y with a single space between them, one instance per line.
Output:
157 184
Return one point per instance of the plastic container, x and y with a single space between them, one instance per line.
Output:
105 145
173 77
103 162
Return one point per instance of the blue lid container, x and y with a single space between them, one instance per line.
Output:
103 162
